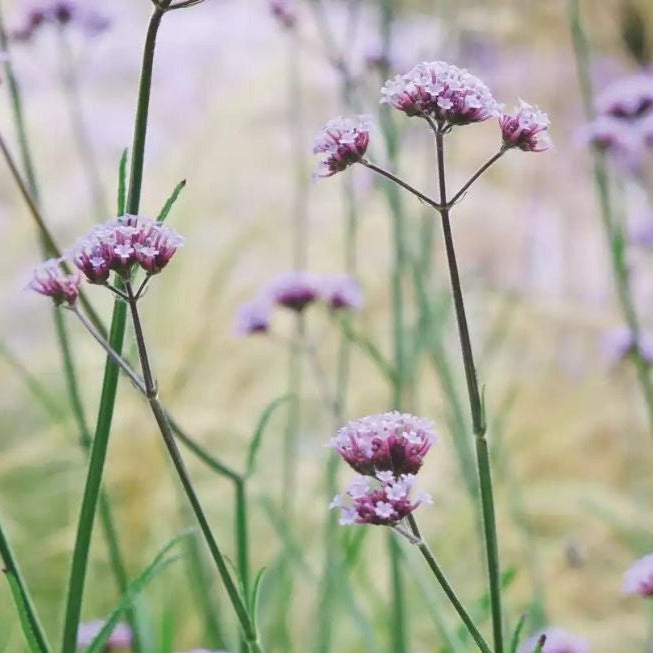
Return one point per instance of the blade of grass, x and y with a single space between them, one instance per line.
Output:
170 202
122 182
255 442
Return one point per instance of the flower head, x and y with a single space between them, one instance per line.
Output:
526 128
50 280
341 292
253 317
557 641
60 12
638 579
629 98
447 94
615 137
344 141
284 12
123 243
293 290
394 442
120 638
383 501
620 343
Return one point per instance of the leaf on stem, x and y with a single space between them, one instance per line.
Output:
122 183
514 640
167 207
23 614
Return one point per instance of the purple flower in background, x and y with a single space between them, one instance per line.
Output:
383 500
293 290
645 128
395 442
620 343
557 641
50 280
205 650
253 317
120 638
526 128
344 141
284 11
640 232
629 98
447 94
615 137
123 243
341 292
60 12
638 579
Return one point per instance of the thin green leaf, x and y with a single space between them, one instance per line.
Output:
260 429
514 640
23 614
122 183
254 598
158 564
171 201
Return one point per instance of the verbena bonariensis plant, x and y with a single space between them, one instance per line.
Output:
389 448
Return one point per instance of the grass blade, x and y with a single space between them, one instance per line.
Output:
260 429
122 182
514 640
171 201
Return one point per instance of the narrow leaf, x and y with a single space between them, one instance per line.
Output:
514 641
122 183
170 201
260 429
253 600
23 614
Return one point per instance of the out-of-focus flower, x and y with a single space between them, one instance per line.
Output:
629 98
253 317
377 59
640 232
120 638
557 641
293 290
447 94
526 128
60 12
383 501
121 244
620 343
615 137
341 292
205 650
284 11
645 128
344 141
638 579
395 442
50 280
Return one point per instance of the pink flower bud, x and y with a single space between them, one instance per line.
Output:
344 141
526 128
50 280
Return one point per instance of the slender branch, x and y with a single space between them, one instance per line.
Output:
475 176
397 180
444 583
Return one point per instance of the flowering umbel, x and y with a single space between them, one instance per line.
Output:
638 579
383 501
120 638
344 141
60 13
395 442
442 92
526 128
557 641
50 280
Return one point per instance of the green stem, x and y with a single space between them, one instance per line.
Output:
242 548
478 418
448 590
613 233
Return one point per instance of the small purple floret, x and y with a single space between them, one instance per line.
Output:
50 280
341 292
293 290
620 343
557 641
344 141
627 98
120 638
526 128
253 317
638 579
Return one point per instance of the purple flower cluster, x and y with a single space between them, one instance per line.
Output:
120 638
50 280
122 244
638 579
383 500
284 12
620 343
526 129
624 123
557 641
295 291
344 141
60 12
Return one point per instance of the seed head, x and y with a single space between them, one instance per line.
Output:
344 141
50 280
557 641
447 94
526 128
392 442
638 579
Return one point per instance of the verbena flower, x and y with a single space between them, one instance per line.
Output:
60 12
638 579
447 94
395 442
640 232
383 501
293 290
341 292
615 137
627 98
120 638
122 244
253 317
284 11
50 280
557 641
620 343
526 128
344 141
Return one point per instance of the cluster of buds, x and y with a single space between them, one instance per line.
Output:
61 13
122 244
343 141
51 280
387 451
526 128
296 291
638 579
556 640
623 127
120 638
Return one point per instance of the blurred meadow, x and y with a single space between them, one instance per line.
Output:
237 99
